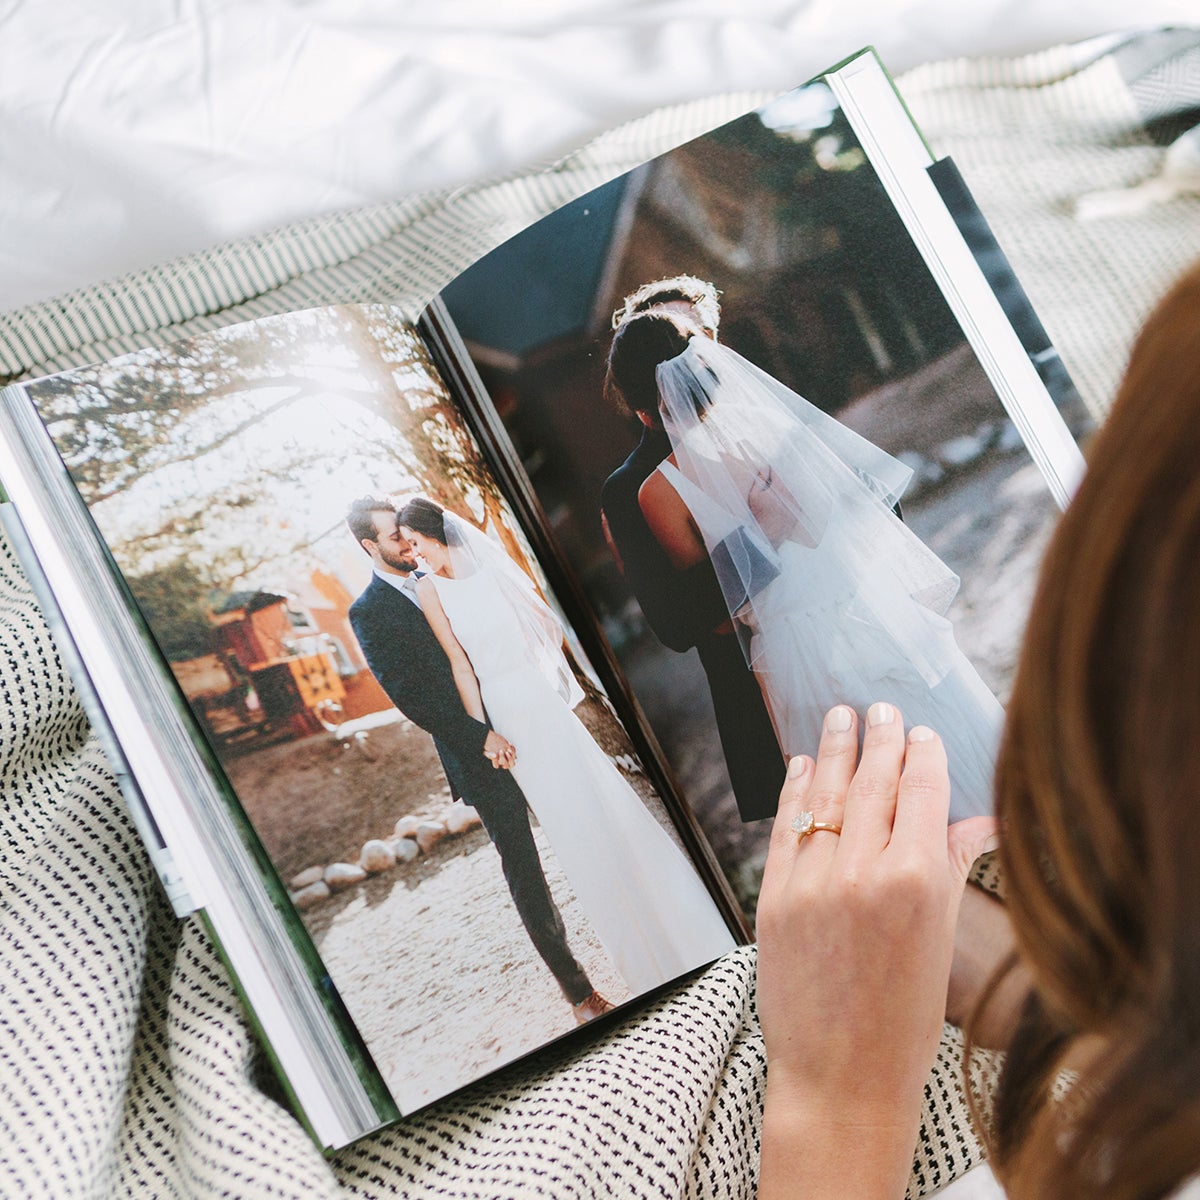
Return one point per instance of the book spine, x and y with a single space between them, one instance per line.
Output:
160 854
902 159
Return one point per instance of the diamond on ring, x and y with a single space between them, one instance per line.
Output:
805 824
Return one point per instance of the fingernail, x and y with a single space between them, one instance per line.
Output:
992 843
880 714
839 720
798 766
920 733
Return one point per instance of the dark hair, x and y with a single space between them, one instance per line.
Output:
638 346
689 289
424 516
359 519
1098 784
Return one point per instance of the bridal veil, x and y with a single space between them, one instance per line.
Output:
768 470
471 551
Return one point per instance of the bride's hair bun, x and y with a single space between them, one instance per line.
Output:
424 516
638 346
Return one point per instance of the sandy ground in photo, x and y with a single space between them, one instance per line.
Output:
430 958
439 975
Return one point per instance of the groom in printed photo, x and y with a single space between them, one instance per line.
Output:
405 657
686 608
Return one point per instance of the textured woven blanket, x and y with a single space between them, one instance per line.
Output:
126 1065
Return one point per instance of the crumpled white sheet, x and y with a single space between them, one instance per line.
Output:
132 131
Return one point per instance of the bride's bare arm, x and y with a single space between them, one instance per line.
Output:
771 504
460 664
496 747
671 522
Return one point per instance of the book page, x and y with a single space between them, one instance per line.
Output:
778 244
467 845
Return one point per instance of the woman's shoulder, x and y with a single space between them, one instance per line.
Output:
652 489
659 485
426 589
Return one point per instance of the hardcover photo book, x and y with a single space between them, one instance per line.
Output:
450 668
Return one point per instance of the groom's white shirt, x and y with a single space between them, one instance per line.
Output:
406 585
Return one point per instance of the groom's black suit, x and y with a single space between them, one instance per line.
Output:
411 666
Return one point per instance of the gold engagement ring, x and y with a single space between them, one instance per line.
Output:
805 825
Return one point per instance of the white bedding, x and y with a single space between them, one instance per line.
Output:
132 131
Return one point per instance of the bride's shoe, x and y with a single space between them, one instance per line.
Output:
590 1007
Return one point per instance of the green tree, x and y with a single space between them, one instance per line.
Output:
174 601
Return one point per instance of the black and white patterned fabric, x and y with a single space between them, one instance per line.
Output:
127 1068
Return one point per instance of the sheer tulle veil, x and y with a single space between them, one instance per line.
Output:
472 551
768 468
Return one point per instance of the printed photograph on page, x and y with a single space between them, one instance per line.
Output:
364 639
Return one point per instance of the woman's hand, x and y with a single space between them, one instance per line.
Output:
499 751
856 933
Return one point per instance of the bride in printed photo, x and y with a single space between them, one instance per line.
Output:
834 599
648 906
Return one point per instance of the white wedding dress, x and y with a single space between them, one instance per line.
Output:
836 600
643 898
813 645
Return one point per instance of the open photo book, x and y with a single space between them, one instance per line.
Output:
450 667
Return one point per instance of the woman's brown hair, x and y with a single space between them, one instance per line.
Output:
1098 783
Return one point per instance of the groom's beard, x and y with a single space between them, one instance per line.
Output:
404 563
